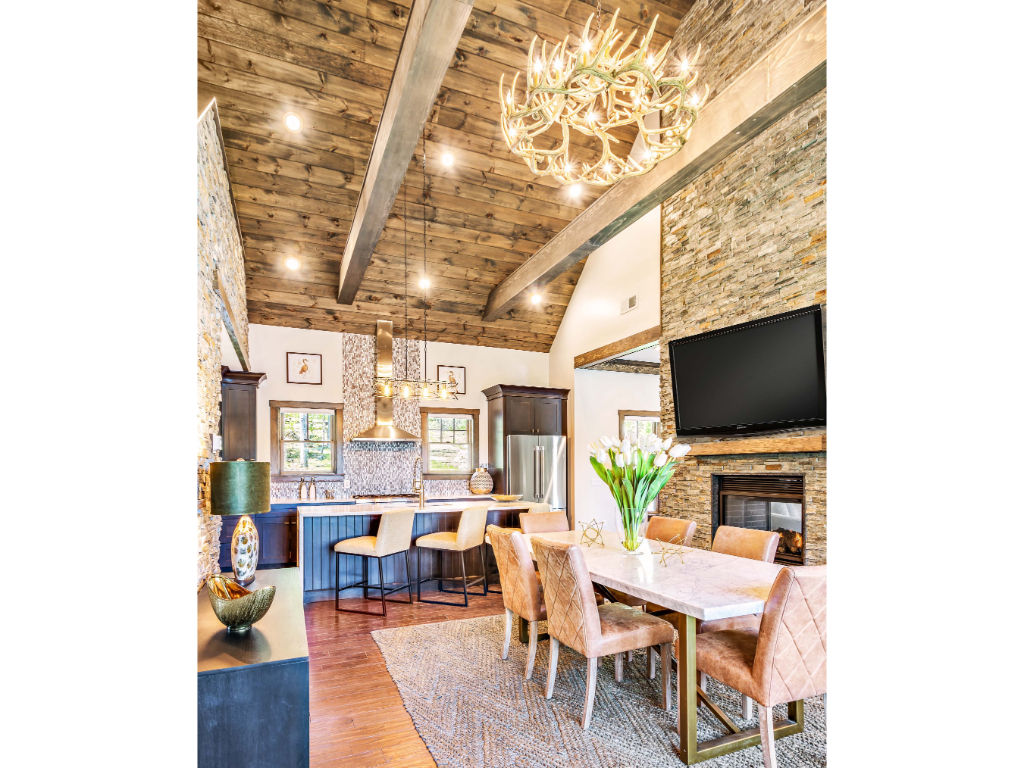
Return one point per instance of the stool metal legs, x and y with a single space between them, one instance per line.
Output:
466 582
384 591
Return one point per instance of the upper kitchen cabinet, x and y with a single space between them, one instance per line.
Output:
238 413
526 410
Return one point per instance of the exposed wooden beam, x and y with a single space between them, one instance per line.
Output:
787 75
431 36
627 366
618 348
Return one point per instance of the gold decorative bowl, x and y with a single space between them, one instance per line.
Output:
506 496
237 607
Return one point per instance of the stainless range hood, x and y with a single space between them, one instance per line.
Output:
384 430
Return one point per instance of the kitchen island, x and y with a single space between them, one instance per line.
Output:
321 526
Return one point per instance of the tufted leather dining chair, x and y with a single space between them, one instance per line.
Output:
520 587
543 522
575 619
784 659
671 529
753 545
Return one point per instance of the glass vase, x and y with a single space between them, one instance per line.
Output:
632 527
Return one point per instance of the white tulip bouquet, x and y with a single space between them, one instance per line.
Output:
635 474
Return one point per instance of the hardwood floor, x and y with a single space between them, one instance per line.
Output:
356 714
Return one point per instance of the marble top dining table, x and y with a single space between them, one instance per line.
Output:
697 585
696 582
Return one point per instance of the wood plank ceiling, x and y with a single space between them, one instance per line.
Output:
330 62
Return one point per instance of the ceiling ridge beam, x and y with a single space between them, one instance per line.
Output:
431 36
787 75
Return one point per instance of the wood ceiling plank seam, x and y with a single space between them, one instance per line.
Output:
314 57
296 30
279 70
236 79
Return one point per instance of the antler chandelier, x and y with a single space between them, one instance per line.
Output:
598 87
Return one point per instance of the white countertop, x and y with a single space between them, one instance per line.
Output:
349 510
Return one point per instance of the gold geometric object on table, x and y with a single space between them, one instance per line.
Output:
237 607
590 533
672 548
594 88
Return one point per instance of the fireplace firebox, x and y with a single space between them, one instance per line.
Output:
764 503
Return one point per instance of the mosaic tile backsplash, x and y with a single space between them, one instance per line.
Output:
376 468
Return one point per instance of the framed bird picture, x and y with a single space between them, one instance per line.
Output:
455 375
304 368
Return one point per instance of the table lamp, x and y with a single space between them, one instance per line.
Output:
241 488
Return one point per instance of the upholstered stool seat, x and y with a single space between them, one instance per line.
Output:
439 540
394 536
360 545
470 535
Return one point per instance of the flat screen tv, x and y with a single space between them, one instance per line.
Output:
760 376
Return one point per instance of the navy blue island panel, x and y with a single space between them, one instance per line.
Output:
321 533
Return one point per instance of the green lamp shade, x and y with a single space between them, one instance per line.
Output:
239 487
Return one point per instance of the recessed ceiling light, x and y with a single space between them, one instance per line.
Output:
292 122
576 190
447 159
424 283
292 263
535 298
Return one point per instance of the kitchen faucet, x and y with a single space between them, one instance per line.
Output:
417 479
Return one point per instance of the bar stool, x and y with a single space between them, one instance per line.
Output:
394 536
470 535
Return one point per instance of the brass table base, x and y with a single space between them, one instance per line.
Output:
691 696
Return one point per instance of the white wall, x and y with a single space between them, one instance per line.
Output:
598 397
485 366
628 263
267 347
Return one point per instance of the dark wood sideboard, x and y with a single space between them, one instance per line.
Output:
254 687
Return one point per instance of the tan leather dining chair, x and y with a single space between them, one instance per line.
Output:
575 619
741 542
753 545
671 529
520 587
394 535
543 522
470 535
784 660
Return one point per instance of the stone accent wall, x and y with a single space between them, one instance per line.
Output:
219 251
743 241
734 34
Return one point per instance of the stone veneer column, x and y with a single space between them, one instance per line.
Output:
743 241
219 251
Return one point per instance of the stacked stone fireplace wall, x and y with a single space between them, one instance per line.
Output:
744 241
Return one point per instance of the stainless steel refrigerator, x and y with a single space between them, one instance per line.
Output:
537 468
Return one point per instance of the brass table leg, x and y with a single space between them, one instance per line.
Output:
686 654
690 751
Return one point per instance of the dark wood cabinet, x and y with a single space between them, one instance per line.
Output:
238 413
547 415
278 534
516 410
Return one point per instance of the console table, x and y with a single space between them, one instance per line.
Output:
254 687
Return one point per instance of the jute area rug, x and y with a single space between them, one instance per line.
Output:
472 709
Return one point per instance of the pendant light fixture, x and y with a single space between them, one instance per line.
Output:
406 387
